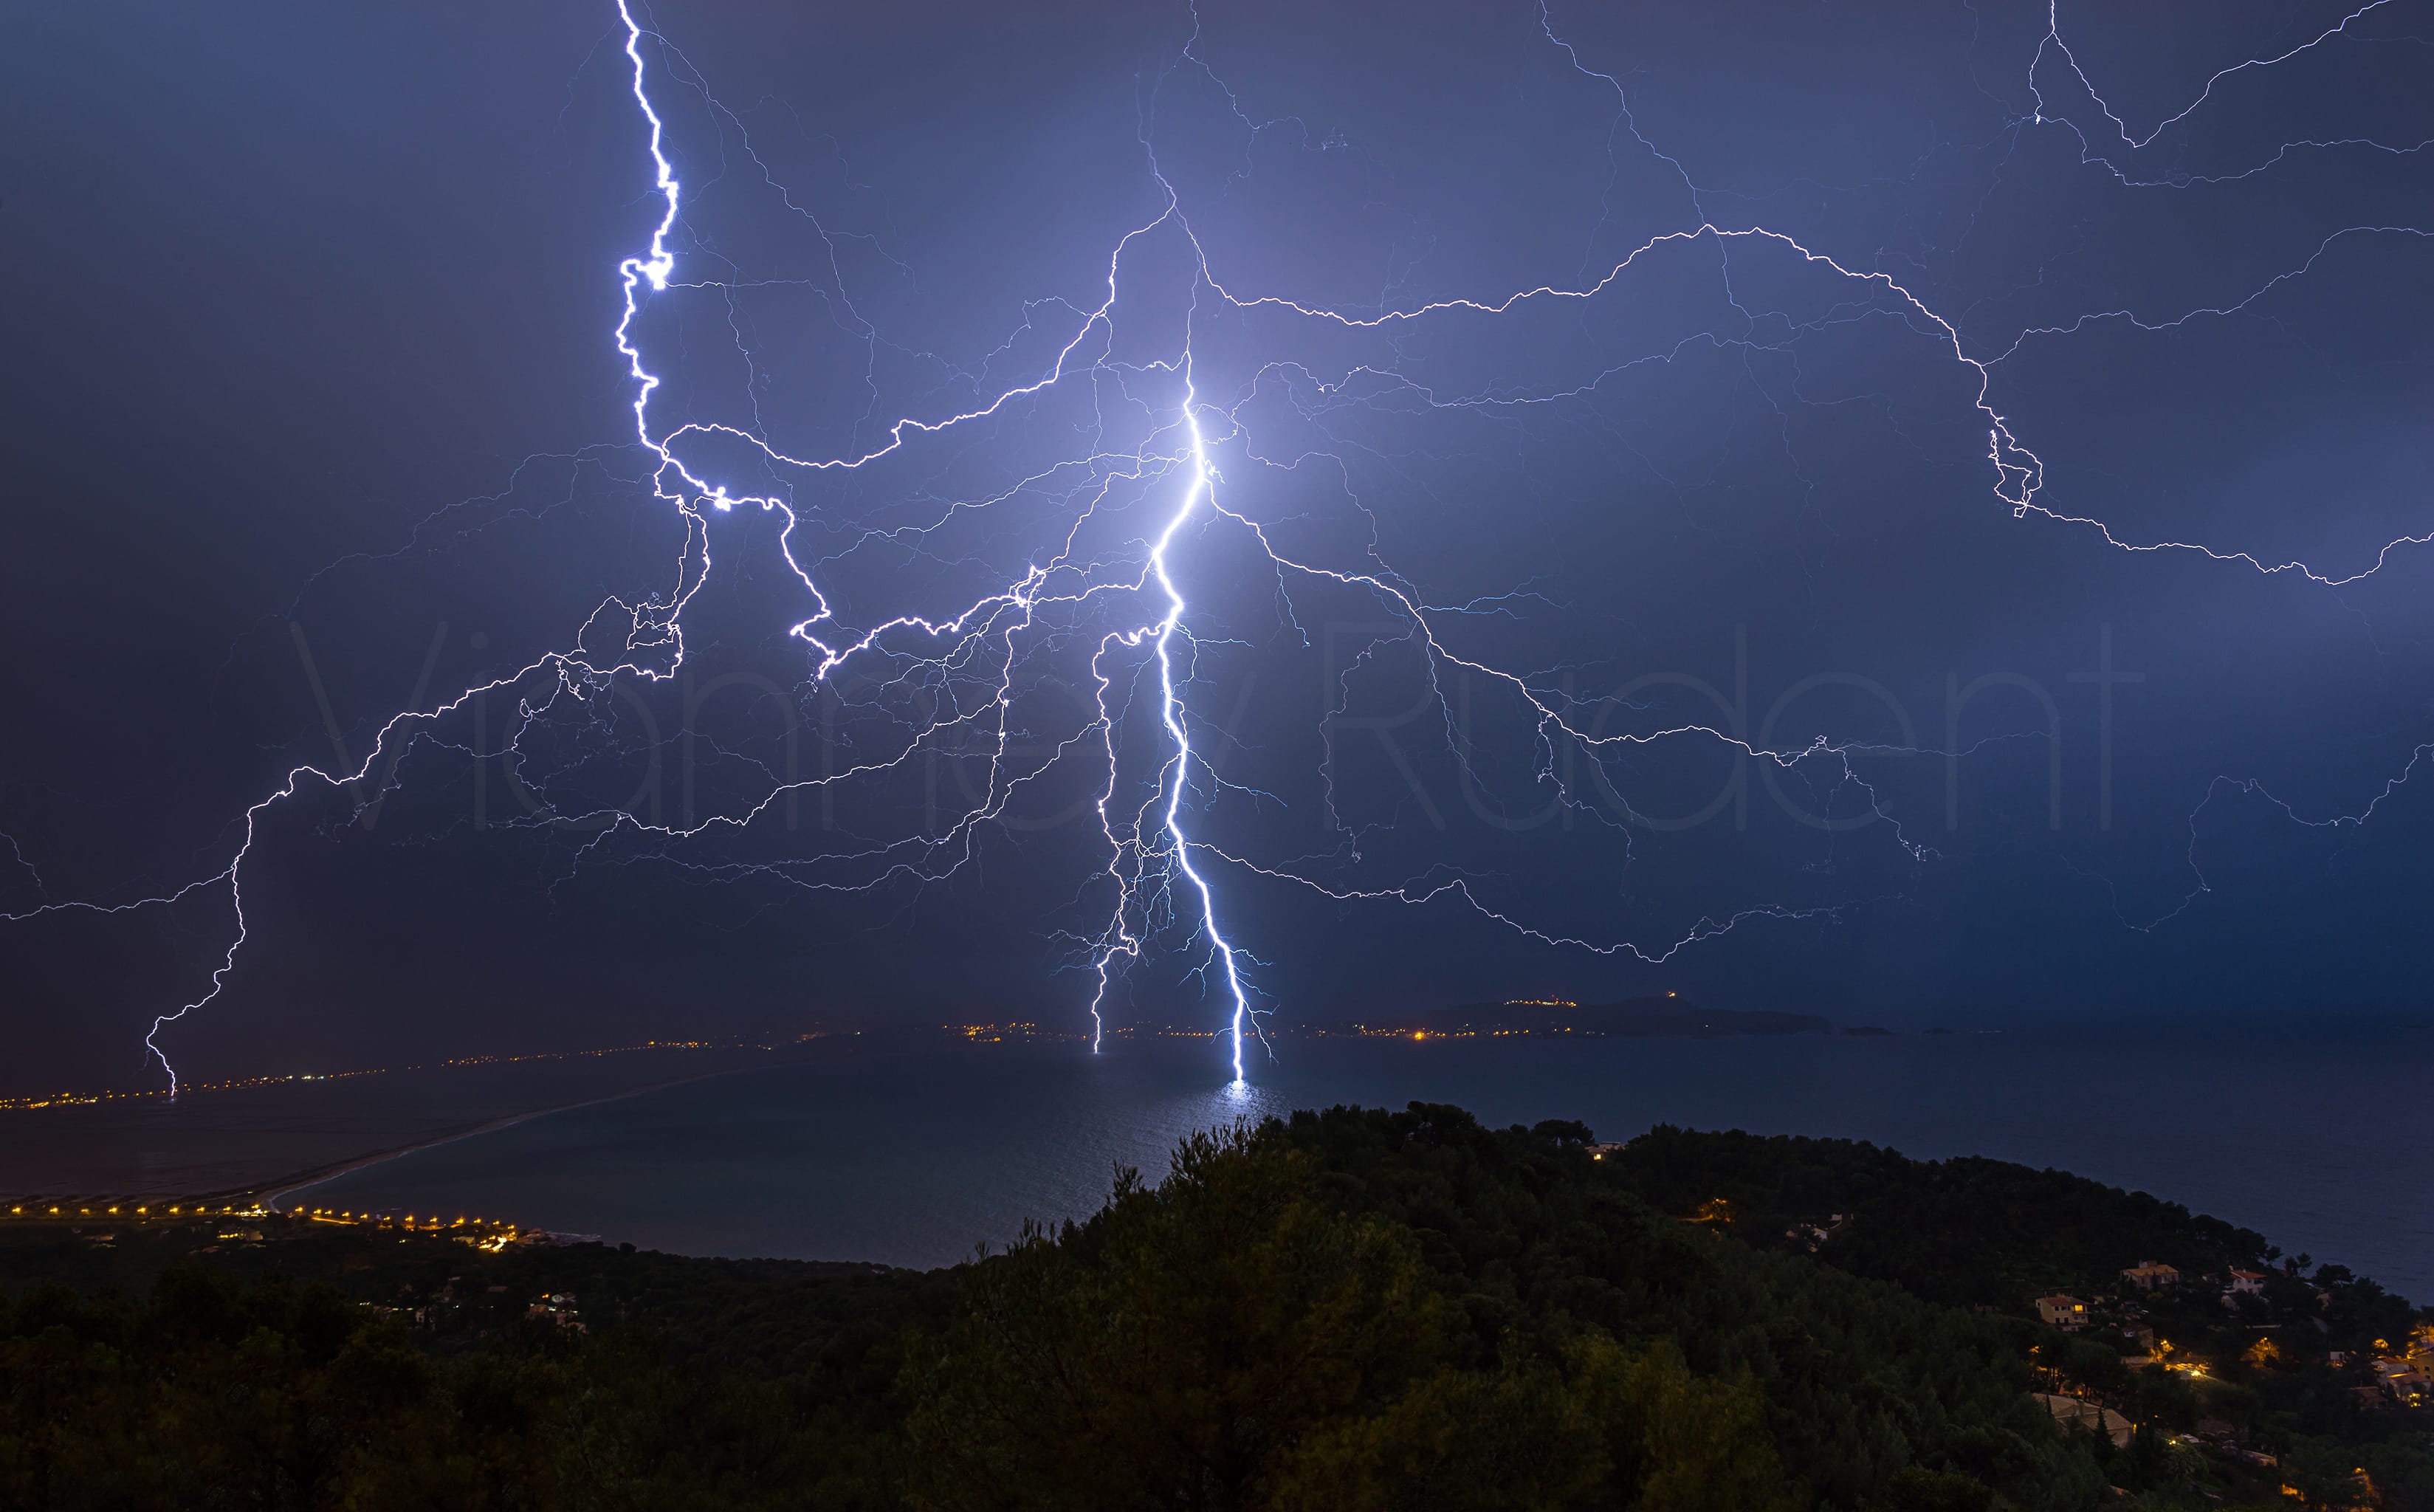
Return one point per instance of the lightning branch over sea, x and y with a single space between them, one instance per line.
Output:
1143 497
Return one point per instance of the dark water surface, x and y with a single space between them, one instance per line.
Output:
2321 1142
218 1140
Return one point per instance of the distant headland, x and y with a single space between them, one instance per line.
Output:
1665 1015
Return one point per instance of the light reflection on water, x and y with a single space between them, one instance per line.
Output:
912 1160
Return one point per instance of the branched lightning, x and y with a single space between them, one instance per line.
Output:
2090 154
1161 865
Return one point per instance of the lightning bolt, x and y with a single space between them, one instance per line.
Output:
2090 155
1160 866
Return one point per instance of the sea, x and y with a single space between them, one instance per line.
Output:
2321 1140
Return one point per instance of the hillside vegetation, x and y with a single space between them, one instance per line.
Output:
1354 1309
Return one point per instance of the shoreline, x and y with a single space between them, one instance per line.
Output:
271 1194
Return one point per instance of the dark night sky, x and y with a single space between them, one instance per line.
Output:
309 341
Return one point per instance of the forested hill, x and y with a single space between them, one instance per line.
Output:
1963 1230
1344 1309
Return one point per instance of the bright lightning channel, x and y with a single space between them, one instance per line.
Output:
1172 715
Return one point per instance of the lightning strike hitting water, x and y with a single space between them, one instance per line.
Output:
1160 861
1171 713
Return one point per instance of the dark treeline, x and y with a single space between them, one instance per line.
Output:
1345 1310
1961 1231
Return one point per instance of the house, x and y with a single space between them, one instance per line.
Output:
2408 1385
2064 1313
2147 1274
2250 1281
2072 1413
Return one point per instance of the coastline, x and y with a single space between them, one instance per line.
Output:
273 1193
912 1157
